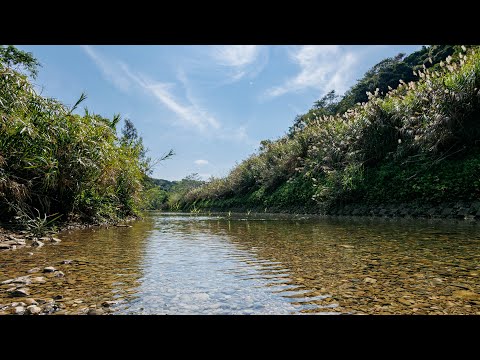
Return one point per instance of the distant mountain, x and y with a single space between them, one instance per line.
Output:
162 183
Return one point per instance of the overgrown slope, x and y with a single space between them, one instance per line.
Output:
419 142
53 161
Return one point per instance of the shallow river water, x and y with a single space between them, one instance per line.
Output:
173 263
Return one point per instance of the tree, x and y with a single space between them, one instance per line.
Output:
10 56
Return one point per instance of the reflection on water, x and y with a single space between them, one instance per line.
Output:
261 264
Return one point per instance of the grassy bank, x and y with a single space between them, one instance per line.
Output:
57 165
418 143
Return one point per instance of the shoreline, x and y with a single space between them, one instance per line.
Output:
12 239
460 210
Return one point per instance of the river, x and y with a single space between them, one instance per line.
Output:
177 263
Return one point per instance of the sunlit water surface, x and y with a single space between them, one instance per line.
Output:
172 263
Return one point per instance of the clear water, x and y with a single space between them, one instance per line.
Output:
262 264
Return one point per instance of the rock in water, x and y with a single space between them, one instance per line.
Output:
96 312
49 269
19 292
109 303
59 274
30 301
19 310
33 310
37 243
38 280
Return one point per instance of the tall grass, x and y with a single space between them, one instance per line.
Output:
418 125
55 161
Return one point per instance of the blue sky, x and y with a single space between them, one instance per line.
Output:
211 104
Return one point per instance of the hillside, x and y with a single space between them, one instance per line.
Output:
415 143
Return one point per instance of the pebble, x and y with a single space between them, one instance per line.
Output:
37 243
19 292
95 312
33 310
369 280
49 269
109 303
34 270
30 301
59 274
38 280
19 310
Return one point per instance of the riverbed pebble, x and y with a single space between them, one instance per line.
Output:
95 312
19 292
33 310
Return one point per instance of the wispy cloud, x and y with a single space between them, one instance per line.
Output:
240 60
111 70
322 67
235 55
189 114
201 162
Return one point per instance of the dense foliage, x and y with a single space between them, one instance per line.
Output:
53 161
416 141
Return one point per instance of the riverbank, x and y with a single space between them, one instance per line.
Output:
54 274
11 239
459 210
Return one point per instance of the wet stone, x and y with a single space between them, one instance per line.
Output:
37 243
38 280
49 269
95 312
19 310
19 292
33 310
109 303
30 301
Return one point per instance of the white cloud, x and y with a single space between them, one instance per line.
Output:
201 162
235 55
110 70
189 110
322 67
240 60
120 75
